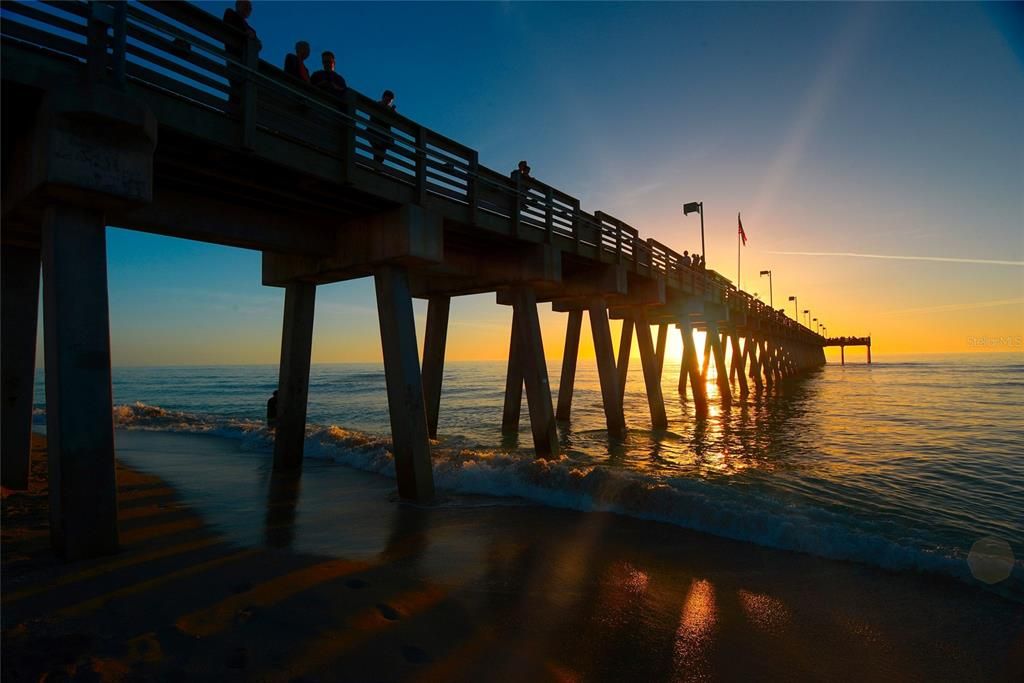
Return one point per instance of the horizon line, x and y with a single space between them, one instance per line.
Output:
897 257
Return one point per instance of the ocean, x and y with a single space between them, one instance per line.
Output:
905 464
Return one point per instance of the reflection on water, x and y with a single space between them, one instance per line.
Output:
906 465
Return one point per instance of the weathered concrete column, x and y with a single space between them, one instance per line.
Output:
625 348
707 356
842 355
569 358
611 392
751 348
434 342
79 401
19 310
700 394
89 145
293 377
513 381
722 372
649 362
535 372
766 362
684 371
659 351
409 435
739 361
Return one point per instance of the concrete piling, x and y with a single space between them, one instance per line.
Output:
293 379
79 402
409 435
434 341
19 310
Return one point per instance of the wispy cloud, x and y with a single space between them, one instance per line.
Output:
958 307
896 257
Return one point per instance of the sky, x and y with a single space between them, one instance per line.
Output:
876 152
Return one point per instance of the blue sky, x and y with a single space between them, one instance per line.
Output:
889 129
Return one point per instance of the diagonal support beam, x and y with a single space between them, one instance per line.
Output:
721 371
660 350
535 372
409 435
700 395
739 361
569 358
649 362
611 392
434 342
625 348
513 381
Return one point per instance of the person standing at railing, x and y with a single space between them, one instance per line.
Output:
327 78
295 64
686 259
237 19
522 171
380 130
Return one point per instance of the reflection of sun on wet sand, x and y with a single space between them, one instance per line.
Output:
343 584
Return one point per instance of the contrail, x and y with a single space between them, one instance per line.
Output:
943 259
957 307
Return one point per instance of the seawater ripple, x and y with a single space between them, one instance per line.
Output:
900 465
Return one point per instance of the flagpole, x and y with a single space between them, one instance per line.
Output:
737 253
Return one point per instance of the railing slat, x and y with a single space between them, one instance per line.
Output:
34 36
49 18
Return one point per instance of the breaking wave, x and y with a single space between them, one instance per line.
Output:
739 513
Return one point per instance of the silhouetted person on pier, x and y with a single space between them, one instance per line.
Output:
237 19
379 129
295 64
327 78
272 411
522 171
686 259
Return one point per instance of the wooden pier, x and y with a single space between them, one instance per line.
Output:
843 342
155 116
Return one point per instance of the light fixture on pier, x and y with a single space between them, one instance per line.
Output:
689 208
796 316
807 316
771 301
817 326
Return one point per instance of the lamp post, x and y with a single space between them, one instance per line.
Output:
771 301
689 208
796 316
807 317
824 331
817 326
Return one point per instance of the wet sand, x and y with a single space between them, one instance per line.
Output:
230 573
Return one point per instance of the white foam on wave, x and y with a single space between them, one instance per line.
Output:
739 513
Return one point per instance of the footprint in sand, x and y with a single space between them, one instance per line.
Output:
388 612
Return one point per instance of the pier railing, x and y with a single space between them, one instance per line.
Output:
184 51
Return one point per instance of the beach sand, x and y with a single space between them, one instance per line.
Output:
229 573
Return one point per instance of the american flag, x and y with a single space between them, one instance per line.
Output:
743 235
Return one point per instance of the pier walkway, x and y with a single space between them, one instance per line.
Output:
156 116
